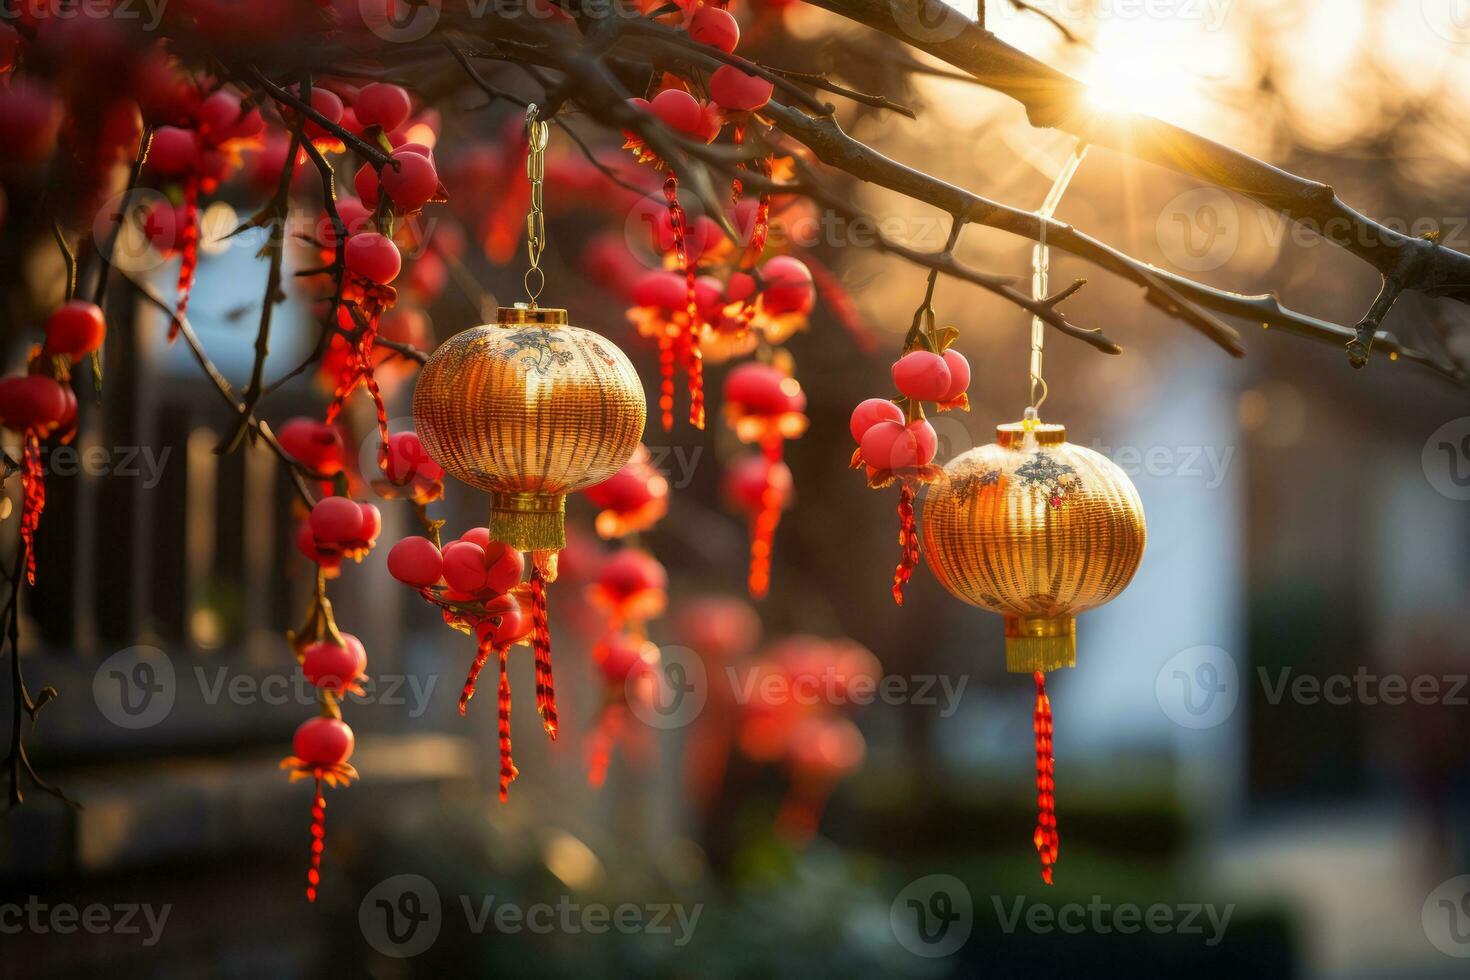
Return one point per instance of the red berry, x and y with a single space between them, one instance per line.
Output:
731 88
416 562
503 567
870 412
222 117
382 105
332 667
33 401
323 742
959 375
665 290
329 105
713 26
30 117
315 445
412 183
373 257
372 526
465 567
512 626
174 152
746 478
630 571
365 182
922 376
77 329
408 460
682 113
337 520
788 286
477 535
760 389
894 446
328 556
621 656
356 218
625 491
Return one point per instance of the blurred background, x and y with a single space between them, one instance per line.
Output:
1263 755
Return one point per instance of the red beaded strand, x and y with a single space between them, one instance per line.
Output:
1046 839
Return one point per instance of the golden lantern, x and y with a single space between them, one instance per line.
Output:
529 409
1037 530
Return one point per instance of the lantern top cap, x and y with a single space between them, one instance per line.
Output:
523 313
1012 434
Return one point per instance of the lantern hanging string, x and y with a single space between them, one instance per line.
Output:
1040 270
538 135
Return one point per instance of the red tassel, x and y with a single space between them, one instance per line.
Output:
1046 840
189 250
609 725
33 496
908 541
666 379
541 641
694 358
358 370
508 770
482 656
318 841
763 528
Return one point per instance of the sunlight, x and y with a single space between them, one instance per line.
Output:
1145 69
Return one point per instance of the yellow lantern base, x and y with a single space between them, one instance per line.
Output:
529 521
1037 643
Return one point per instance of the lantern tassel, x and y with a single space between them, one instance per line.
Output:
541 640
908 541
609 725
33 496
318 841
693 357
189 252
666 380
482 657
508 770
763 527
1045 838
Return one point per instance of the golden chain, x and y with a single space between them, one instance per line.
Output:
538 134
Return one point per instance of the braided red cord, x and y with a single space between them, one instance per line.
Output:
508 770
541 641
482 656
693 357
33 497
1046 840
318 841
189 250
908 541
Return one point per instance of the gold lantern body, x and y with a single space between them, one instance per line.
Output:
1037 530
529 409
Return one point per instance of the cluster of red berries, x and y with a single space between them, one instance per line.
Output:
338 528
888 441
470 573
